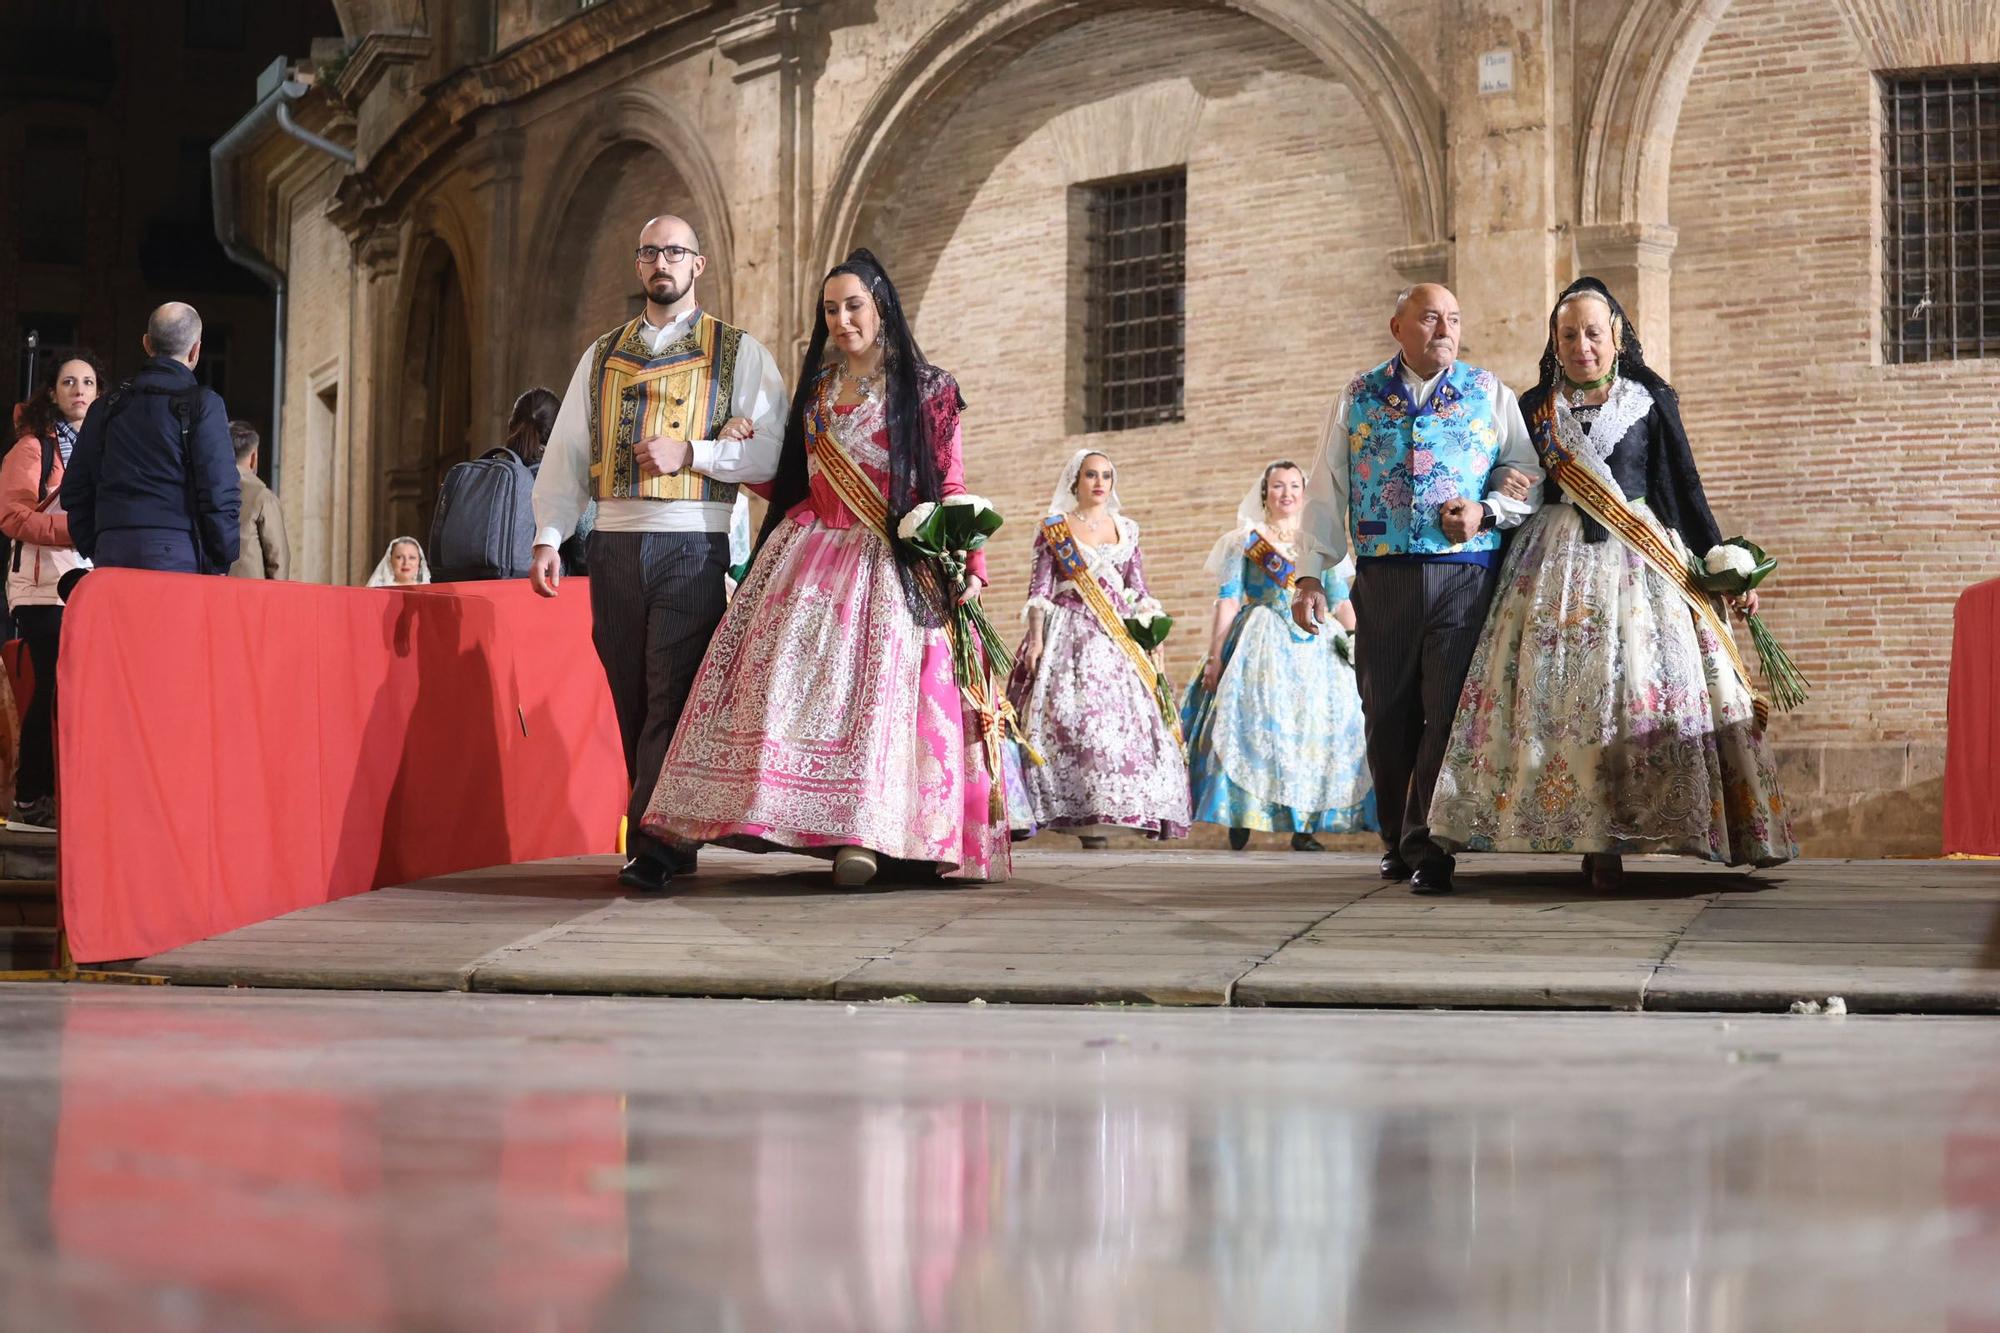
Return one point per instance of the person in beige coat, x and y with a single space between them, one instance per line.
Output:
263 553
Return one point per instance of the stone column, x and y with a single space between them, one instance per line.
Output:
777 50
1504 153
1635 260
493 163
365 415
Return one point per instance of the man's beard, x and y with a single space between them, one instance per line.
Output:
671 295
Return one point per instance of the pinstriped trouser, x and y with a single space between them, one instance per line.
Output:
655 600
1416 628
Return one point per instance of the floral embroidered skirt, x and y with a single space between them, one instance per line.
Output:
1108 755
1600 716
1280 745
824 716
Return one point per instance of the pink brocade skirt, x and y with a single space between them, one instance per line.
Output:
824 716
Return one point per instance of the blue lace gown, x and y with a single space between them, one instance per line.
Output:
1278 747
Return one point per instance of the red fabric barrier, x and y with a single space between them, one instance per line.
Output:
1972 721
230 751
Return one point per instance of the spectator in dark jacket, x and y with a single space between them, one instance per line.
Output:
136 496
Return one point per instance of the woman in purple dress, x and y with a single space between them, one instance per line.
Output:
1086 693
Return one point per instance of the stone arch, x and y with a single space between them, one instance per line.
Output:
631 133
1897 34
984 221
427 416
1628 141
950 61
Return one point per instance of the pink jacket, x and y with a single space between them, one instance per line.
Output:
40 530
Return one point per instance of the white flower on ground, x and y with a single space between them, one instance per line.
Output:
1727 559
915 519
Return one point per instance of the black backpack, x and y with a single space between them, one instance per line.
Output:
484 527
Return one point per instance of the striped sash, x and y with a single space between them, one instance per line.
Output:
1075 570
1598 496
867 503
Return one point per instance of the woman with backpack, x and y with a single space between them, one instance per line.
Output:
31 514
484 524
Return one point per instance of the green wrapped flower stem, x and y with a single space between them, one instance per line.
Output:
947 534
1788 684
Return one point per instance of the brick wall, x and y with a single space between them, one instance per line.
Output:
1874 484
1290 213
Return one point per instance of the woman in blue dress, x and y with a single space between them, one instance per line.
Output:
1273 719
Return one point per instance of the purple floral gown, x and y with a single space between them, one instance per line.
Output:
1109 755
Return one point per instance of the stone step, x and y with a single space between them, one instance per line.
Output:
27 948
28 863
27 856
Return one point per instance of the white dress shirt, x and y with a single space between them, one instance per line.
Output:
563 488
1323 526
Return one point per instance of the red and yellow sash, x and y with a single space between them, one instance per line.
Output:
1593 496
866 502
1075 570
856 489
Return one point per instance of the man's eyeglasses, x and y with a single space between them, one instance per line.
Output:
673 254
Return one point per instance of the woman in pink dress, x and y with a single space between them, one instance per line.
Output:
826 718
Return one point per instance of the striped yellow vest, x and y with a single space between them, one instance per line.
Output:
683 393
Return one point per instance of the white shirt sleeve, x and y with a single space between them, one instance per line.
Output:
758 394
1323 526
1517 451
562 486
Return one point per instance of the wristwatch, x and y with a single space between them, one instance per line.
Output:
1488 520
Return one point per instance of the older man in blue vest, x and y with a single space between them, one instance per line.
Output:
1424 460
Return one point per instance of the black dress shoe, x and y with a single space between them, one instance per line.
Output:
1306 842
1239 838
1432 878
642 874
1394 867
684 862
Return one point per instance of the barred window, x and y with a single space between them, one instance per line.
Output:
1135 325
1941 214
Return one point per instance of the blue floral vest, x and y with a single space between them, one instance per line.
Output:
1402 467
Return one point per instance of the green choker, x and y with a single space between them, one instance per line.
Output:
1594 385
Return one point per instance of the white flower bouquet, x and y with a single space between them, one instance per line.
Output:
1149 624
946 533
1730 569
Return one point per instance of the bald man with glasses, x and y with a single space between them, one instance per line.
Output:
665 417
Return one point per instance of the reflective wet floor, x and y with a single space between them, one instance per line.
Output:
252 1161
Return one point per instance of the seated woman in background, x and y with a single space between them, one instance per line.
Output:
401 565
